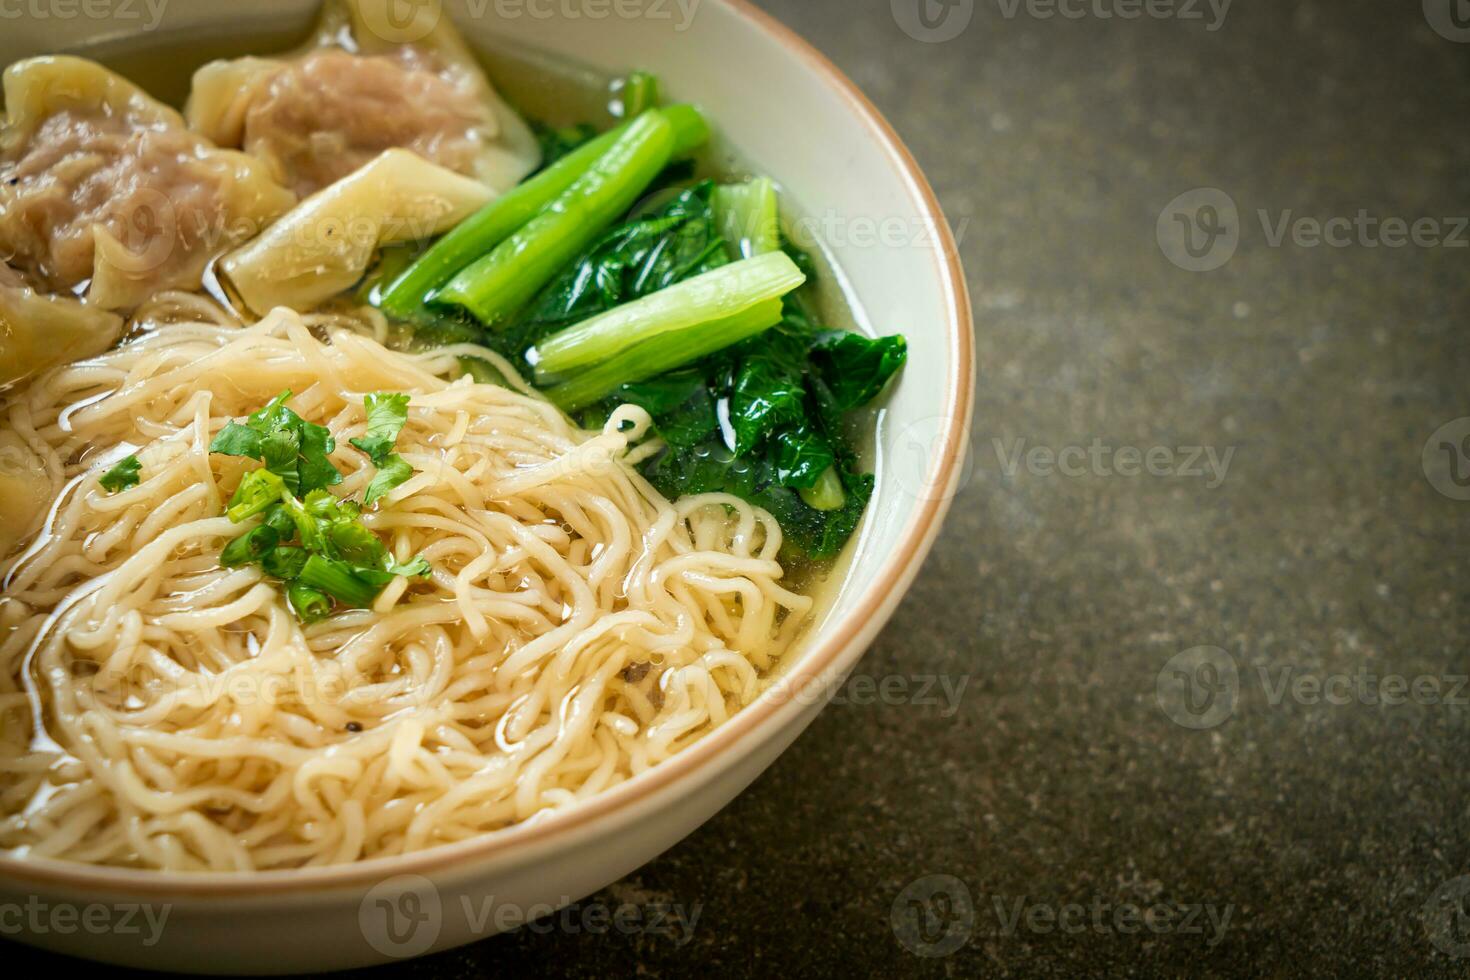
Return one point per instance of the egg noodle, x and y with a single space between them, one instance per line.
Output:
160 711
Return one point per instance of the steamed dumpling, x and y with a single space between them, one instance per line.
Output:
103 188
38 331
25 490
324 245
369 82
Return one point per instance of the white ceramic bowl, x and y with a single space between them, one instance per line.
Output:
792 115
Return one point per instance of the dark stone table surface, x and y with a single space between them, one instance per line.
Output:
1202 606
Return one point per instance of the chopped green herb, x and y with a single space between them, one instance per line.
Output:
391 472
309 605
387 414
122 476
258 490
237 440
310 539
291 447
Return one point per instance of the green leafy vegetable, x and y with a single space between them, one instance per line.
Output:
392 471
856 368
826 493
404 298
387 413
634 93
337 579
710 297
496 287
748 217
639 257
663 352
558 141
122 476
765 420
689 307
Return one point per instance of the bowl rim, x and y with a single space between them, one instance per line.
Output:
873 607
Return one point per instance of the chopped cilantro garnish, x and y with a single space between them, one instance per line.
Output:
310 539
122 476
387 413
391 472
290 447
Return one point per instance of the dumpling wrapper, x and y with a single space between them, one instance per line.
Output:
25 490
104 185
38 331
369 80
325 244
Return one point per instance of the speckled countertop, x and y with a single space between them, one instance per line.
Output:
1156 714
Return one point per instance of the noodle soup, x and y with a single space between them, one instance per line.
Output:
447 467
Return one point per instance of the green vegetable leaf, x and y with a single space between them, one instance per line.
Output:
294 449
391 472
237 440
249 547
765 395
314 468
387 413
355 544
278 451
800 455
664 246
856 368
557 141
123 476
415 568
284 562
